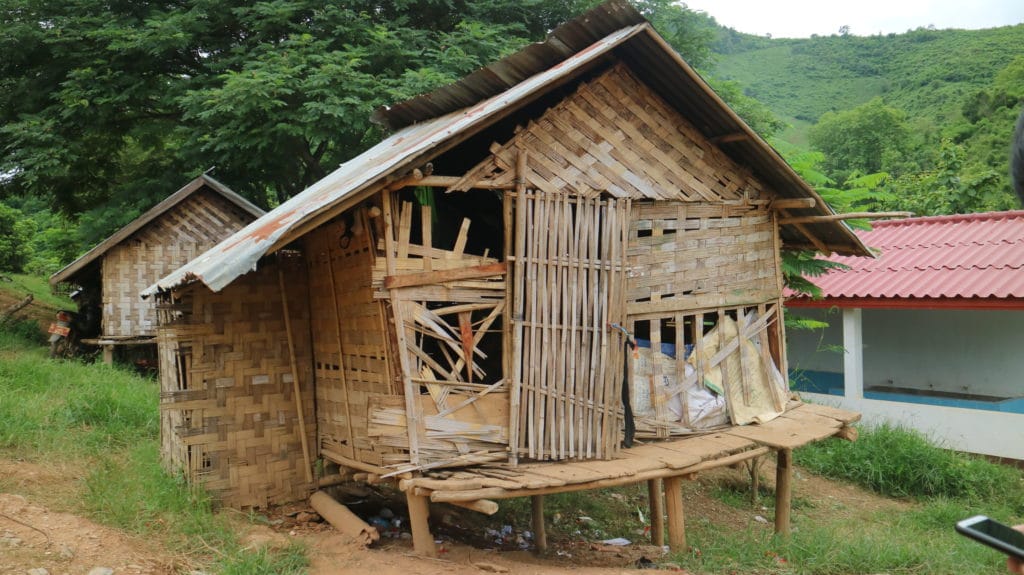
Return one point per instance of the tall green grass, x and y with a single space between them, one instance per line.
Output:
940 486
901 462
68 409
105 420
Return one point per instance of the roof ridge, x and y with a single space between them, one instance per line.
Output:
951 218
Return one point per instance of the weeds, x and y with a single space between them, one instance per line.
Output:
105 420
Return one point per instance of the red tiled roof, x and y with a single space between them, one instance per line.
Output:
961 256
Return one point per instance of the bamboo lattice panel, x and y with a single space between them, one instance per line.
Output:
349 337
569 286
176 237
228 413
701 254
616 136
449 305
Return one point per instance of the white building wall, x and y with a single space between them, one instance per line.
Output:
971 430
960 351
974 352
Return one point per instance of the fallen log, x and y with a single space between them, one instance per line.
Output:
344 520
10 311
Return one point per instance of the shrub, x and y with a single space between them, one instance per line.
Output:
900 462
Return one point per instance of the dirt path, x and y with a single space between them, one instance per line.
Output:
34 536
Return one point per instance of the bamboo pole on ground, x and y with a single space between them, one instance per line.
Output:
342 519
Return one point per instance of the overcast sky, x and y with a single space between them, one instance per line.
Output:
801 18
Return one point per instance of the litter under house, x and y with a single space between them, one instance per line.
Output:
559 273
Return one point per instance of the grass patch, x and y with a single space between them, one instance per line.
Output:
881 543
900 462
68 409
25 284
105 419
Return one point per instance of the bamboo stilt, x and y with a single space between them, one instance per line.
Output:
419 512
674 507
540 534
783 490
656 510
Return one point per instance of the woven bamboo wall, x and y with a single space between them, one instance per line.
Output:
349 338
228 413
185 231
701 255
616 136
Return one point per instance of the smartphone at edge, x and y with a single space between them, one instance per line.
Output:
994 534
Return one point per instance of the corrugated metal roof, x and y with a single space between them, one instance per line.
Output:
204 180
239 254
963 256
563 56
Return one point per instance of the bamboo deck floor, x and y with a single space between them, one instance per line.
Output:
799 425
661 465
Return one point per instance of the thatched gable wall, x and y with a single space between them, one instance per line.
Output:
166 243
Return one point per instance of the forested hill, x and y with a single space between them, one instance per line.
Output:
929 74
920 121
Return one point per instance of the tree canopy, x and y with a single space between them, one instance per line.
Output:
117 101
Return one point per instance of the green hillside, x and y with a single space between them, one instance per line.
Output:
930 111
927 73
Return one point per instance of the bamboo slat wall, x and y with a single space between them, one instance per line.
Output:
569 280
692 266
227 400
350 337
170 241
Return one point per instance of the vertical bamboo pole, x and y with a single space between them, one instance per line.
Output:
540 534
532 273
574 266
413 408
674 507
341 354
516 316
783 490
296 389
585 383
561 318
681 364
656 509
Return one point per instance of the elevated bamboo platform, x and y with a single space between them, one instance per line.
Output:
665 462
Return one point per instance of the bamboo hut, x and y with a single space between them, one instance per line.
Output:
169 235
559 273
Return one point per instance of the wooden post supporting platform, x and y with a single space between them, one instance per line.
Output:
783 490
674 507
656 509
419 511
540 534
108 354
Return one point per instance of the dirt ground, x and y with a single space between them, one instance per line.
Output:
33 536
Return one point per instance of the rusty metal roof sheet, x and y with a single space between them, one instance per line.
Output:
962 256
613 30
340 189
